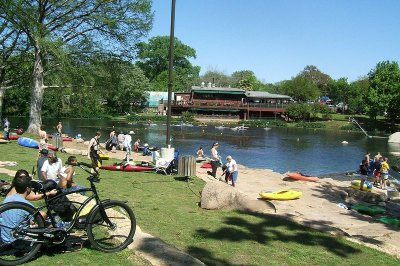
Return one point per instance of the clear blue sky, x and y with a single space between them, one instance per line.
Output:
276 39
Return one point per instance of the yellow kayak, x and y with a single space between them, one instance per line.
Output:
281 195
366 187
104 156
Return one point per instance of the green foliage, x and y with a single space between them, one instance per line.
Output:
16 101
312 125
320 79
265 123
384 92
299 111
154 61
350 127
187 117
220 79
300 88
245 79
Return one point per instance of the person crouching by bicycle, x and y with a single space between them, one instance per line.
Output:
20 191
31 196
94 150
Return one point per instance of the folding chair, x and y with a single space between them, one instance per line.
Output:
162 165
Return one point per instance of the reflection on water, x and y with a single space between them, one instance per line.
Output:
313 152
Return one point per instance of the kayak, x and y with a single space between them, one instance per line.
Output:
281 195
368 209
63 138
302 177
11 137
389 220
206 165
366 187
104 156
27 142
128 168
52 147
3 141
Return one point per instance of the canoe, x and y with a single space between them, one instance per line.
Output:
394 221
206 165
11 137
368 209
27 142
63 138
128 168
104 156
302 177
52 147
281 195
356 185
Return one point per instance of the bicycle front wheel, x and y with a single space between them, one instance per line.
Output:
16 247
114 237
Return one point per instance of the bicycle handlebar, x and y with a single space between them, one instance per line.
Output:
93 176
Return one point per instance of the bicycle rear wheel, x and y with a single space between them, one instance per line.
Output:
15 246
119 235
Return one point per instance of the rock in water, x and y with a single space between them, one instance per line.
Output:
394 138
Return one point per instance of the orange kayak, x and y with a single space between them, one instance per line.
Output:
302 177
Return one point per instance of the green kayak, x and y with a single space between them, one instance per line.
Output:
389 220
368 209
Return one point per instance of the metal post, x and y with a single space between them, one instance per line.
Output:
170 69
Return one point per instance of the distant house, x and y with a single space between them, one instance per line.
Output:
236 102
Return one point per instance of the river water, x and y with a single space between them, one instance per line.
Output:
315 152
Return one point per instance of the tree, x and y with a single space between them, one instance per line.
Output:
357 94
300 88
102 26
218 78
153 60
11 65
245 79
384 92
318 78
339 91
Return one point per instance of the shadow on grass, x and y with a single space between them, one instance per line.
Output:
270 229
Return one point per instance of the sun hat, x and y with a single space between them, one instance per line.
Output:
215 144
146 145
131 132
228 158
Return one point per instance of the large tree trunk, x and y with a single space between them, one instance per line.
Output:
35 119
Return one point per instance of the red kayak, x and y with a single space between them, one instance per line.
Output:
206 165
11 137
128 168
302 177
63 138
52 147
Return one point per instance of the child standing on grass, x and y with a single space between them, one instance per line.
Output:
385 173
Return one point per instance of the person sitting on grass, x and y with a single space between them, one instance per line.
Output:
67 173
20 191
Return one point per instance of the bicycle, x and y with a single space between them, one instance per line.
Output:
110 225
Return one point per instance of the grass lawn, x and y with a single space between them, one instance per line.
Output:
167 207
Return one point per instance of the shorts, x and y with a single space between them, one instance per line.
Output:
385 176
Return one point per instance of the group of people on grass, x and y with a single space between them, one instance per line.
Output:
378 167
230 169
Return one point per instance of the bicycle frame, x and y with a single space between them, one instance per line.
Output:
98 205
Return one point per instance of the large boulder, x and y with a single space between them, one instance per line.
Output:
394 138
219 195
